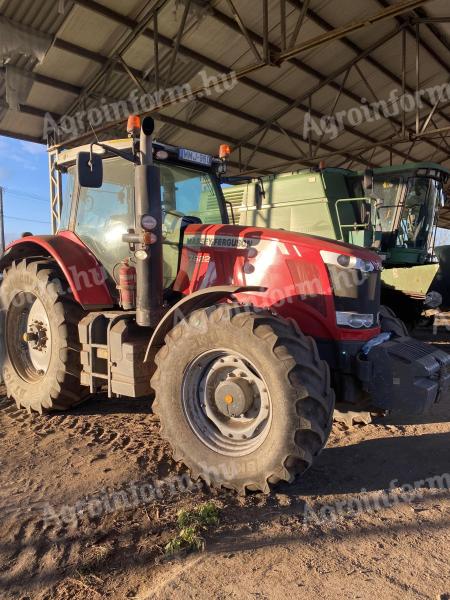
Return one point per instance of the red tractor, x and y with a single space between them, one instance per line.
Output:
243 334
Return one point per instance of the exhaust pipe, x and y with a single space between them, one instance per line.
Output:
149 255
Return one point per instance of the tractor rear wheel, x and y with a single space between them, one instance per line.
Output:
39 338
243 397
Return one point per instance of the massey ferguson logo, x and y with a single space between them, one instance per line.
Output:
220 241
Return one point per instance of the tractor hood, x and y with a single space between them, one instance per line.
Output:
242 237
292 267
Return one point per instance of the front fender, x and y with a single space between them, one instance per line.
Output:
82 271
194 301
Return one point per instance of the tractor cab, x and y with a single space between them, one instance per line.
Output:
404 203
100 216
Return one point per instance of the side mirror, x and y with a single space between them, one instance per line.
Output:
90 170
260 194
368 179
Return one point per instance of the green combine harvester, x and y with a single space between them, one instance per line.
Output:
395 211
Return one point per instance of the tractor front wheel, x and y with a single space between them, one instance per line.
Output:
243 397
39 338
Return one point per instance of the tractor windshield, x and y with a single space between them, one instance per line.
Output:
103 215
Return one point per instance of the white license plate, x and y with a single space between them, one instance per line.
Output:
195 157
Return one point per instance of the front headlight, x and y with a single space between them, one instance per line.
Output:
355 283
346 261
354 320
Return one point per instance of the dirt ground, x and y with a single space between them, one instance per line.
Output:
286 545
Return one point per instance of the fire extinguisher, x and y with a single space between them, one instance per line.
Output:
127 285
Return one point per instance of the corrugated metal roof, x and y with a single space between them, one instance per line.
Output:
81 70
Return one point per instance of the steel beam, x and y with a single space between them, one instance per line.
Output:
265 90
237 17
156 48
55 190
117 17
137 30
21 136
283 41
342 32
303 66
176 47
358 150
299 23
433 131
352 46
33 111
135 75
44 80
222 18
258 121
413 33
428 20
298 103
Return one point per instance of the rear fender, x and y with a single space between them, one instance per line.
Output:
190 303
84 274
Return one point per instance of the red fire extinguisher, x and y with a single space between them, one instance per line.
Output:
127 285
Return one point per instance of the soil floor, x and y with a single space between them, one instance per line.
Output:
333 534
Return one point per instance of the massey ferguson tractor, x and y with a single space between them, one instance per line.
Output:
243 334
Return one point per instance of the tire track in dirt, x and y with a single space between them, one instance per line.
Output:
84 447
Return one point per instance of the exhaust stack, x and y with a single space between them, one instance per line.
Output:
149 260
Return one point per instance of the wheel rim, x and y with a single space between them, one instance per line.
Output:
226 402
29 337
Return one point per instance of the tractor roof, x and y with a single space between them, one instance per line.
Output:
68 157
409 167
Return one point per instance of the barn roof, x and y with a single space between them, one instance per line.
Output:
296 81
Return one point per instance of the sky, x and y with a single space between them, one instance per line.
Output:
24 178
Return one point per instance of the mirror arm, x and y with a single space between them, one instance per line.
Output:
121 153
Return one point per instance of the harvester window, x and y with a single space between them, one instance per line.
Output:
388 194
422 198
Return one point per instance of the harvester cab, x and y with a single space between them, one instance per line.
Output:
243 334
404 206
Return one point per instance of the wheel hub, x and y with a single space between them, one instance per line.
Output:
36 336
234 397
29 337
226 402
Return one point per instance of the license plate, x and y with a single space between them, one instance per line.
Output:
195 157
